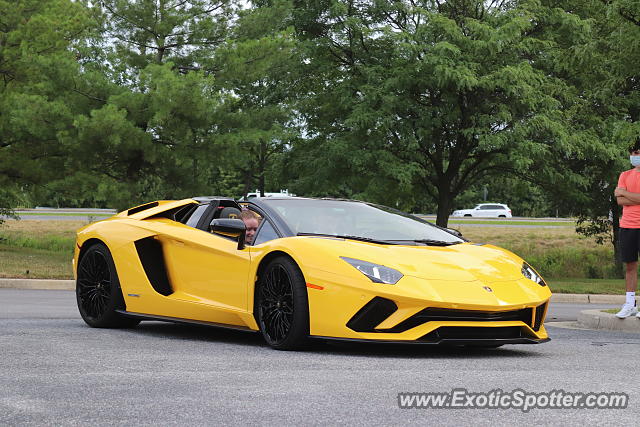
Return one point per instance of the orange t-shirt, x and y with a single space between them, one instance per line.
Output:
630 180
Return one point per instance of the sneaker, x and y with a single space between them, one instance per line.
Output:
626 311
638 315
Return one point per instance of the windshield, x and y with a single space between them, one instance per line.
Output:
357 219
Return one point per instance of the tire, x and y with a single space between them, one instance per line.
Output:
467 214
98 292
282 305
502 216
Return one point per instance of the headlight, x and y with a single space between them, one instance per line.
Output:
530 273
375 272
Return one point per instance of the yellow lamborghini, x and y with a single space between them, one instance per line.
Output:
314 268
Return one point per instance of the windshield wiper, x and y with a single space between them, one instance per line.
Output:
350 237
431 242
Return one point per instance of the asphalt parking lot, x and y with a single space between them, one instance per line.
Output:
56 370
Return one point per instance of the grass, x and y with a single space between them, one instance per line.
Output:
37 249
513 223
29 263
587 286
526 238
554 252
43 249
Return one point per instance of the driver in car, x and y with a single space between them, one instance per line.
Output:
251 223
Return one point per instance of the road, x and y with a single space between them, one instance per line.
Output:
56 370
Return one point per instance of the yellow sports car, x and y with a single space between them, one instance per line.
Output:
299 268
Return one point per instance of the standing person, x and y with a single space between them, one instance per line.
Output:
628 196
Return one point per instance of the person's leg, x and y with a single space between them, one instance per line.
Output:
631 276
629 246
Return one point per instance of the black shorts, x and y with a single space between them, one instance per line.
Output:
629 244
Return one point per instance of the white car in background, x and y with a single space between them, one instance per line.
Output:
486 210
282 193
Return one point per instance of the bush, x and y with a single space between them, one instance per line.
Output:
596 263
49 243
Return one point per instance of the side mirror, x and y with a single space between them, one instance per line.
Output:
227 227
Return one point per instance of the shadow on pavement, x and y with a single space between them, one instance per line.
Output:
336 348
187 332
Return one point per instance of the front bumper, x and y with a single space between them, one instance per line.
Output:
477 342
342 311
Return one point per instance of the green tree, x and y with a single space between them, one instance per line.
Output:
154 122
607 82
258 121
184 32
39 71
434 95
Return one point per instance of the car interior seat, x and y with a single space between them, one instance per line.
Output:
229 212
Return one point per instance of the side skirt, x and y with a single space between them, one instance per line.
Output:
184 321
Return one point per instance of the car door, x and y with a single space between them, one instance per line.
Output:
489 211
201 267
207 268
484 211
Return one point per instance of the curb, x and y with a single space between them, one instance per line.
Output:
596 319
47 284
589 299
71 285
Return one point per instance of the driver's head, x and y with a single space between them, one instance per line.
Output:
251 223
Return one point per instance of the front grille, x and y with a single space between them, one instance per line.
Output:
434 314
378 309
472 333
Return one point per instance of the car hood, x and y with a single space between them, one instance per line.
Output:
462 262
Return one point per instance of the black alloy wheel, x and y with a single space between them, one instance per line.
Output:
282 305
98 291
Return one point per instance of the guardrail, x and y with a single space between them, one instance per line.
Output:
515 218
68 210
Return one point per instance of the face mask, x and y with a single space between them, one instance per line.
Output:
635 160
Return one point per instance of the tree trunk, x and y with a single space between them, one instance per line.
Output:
247 182
195 171
261 167
444 207
261 184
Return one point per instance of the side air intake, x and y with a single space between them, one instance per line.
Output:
152 259
372 314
